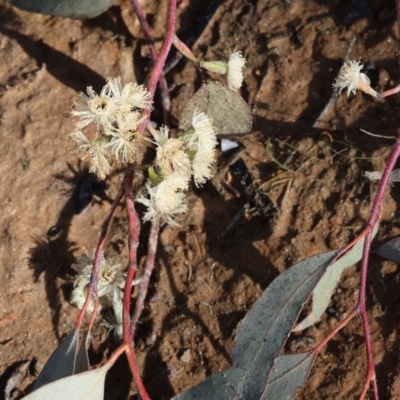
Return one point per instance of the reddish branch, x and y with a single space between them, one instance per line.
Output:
373 220
133 244
154 78
166 102
360 307
162 57
92 291
151 255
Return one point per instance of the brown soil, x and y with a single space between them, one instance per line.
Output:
203 285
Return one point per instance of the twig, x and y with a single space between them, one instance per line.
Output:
92 291
378 136
132 268
165 99
148 270
162 56
389 92
361 307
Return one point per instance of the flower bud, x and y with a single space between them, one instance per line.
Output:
219 67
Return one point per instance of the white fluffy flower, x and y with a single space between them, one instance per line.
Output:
117 112
171 156
136 95
111 282
236 65
126 139
97 151
130 96
166 199
96 108
351 77
203 143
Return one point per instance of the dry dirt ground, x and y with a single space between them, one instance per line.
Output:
203 284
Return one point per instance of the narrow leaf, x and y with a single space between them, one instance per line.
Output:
220 386
61 362
324 289
265 329
65 8
229 112
82 359
390 250
85 386
288 373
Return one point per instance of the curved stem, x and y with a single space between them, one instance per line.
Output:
132 268
92 292
162 56
166 101
144 286
340 326
133 245
131 356
361 307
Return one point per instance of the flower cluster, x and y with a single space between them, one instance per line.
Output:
111 282
351 77
233 69
117 113
109 290
177 160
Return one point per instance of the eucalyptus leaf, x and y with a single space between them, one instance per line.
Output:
61 363
82 359
261 337
220 386
323 291
264 330
390 250
84 386
289 372
229 112
65 8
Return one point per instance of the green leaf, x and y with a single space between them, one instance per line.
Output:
264 330
220 386
390 250
84 386
82 360
65 8
288 373
228 111
323 291
61 363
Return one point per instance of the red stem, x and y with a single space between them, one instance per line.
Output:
398 23
116 354
389 92
166 101
162 56
130 354
340 326
361 308
133 245
144 286
92 292
184 50
132 268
